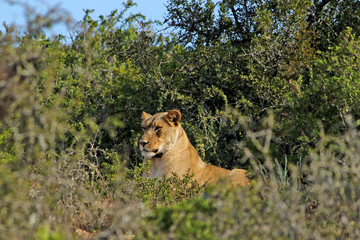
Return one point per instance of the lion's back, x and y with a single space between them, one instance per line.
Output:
238 177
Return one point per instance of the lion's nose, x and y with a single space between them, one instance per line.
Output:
143 143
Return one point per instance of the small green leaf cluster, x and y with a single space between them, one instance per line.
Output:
166 190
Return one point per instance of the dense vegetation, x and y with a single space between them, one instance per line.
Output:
270 86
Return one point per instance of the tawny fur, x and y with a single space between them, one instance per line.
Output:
167 146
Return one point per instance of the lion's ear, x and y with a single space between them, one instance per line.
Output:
174 116
145 116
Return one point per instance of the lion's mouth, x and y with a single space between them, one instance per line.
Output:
150 153
153 151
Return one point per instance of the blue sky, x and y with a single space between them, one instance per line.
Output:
152 9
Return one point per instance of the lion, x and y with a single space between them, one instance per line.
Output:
167 146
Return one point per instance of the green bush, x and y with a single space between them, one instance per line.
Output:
260 85
324 205
164 191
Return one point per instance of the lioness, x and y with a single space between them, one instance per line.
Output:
166 144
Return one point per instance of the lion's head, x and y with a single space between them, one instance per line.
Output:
160 132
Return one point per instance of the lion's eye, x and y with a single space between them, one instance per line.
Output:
157 128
